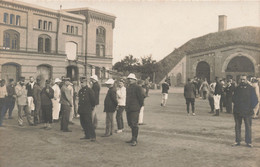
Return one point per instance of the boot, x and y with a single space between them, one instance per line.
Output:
217 113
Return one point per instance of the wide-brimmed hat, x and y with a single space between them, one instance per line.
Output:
110 82
131 76
57 80
94 77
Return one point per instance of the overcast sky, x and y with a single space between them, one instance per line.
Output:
152 27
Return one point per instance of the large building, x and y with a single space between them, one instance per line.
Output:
225 54
54 43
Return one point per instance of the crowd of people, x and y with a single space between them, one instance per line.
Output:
63 100
240 99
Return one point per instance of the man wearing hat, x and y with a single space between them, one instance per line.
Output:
85 107
56 100
110 105
46 95
134 102
66 104
121 97
96 89
22 102
3 95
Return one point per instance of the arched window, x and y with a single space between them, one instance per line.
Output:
44 44
100 41
18 20
71 49
11 40
12 19
68 29
45 25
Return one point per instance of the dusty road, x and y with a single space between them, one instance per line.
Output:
169 138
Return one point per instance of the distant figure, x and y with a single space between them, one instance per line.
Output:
217 95
47 95
204 88
165 89
189 94
3 95
121 98
37 101
229 91
141 114
110 104
96 89
66 104
29 87
22 102
10 99
244 100
134 102
254 82
211 96
147 86
85 107
56 100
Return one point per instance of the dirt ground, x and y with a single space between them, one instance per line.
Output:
168 138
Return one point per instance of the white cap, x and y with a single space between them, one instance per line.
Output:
57 80
110 82
94 77
131 76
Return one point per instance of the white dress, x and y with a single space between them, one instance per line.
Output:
56 102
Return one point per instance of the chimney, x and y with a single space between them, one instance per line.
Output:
222 23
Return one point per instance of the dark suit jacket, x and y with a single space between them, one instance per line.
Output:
189 90
86 100
96 89
134 98
110 102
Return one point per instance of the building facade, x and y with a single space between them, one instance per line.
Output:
53 43
227 53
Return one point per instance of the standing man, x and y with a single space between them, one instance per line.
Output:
110 105
211 96
165 89
134 102
10 99
244 100
96 89
70 87
22 102
86 105
46 95
66 104
217 95
37 101
56 100
147 86
121 97
254 82
29 87
189 94
3 95
229 91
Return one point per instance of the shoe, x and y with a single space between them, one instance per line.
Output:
161 104
193 114
85 138
141 124
249 145
93 139
130 141
134 143
119 131
106 135
71 123
235 144
67 131
211 112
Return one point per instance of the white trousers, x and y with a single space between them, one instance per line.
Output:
30 103
55 109
217 102
141 115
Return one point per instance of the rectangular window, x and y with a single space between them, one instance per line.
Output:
76 30
18 20
11 19
50 26
6 40
72 30
40 24
68 28
45 25
6 18
47 45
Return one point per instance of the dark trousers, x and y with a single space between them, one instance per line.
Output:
229 104
204 95
47 113
192 102
37 115
65 115
211 103
132 120
87 125
109 123
222 102
9 106
119 117
248 130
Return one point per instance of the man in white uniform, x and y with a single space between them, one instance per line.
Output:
56 100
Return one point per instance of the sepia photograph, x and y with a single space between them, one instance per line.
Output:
129 83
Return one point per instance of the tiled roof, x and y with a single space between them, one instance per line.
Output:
238 36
